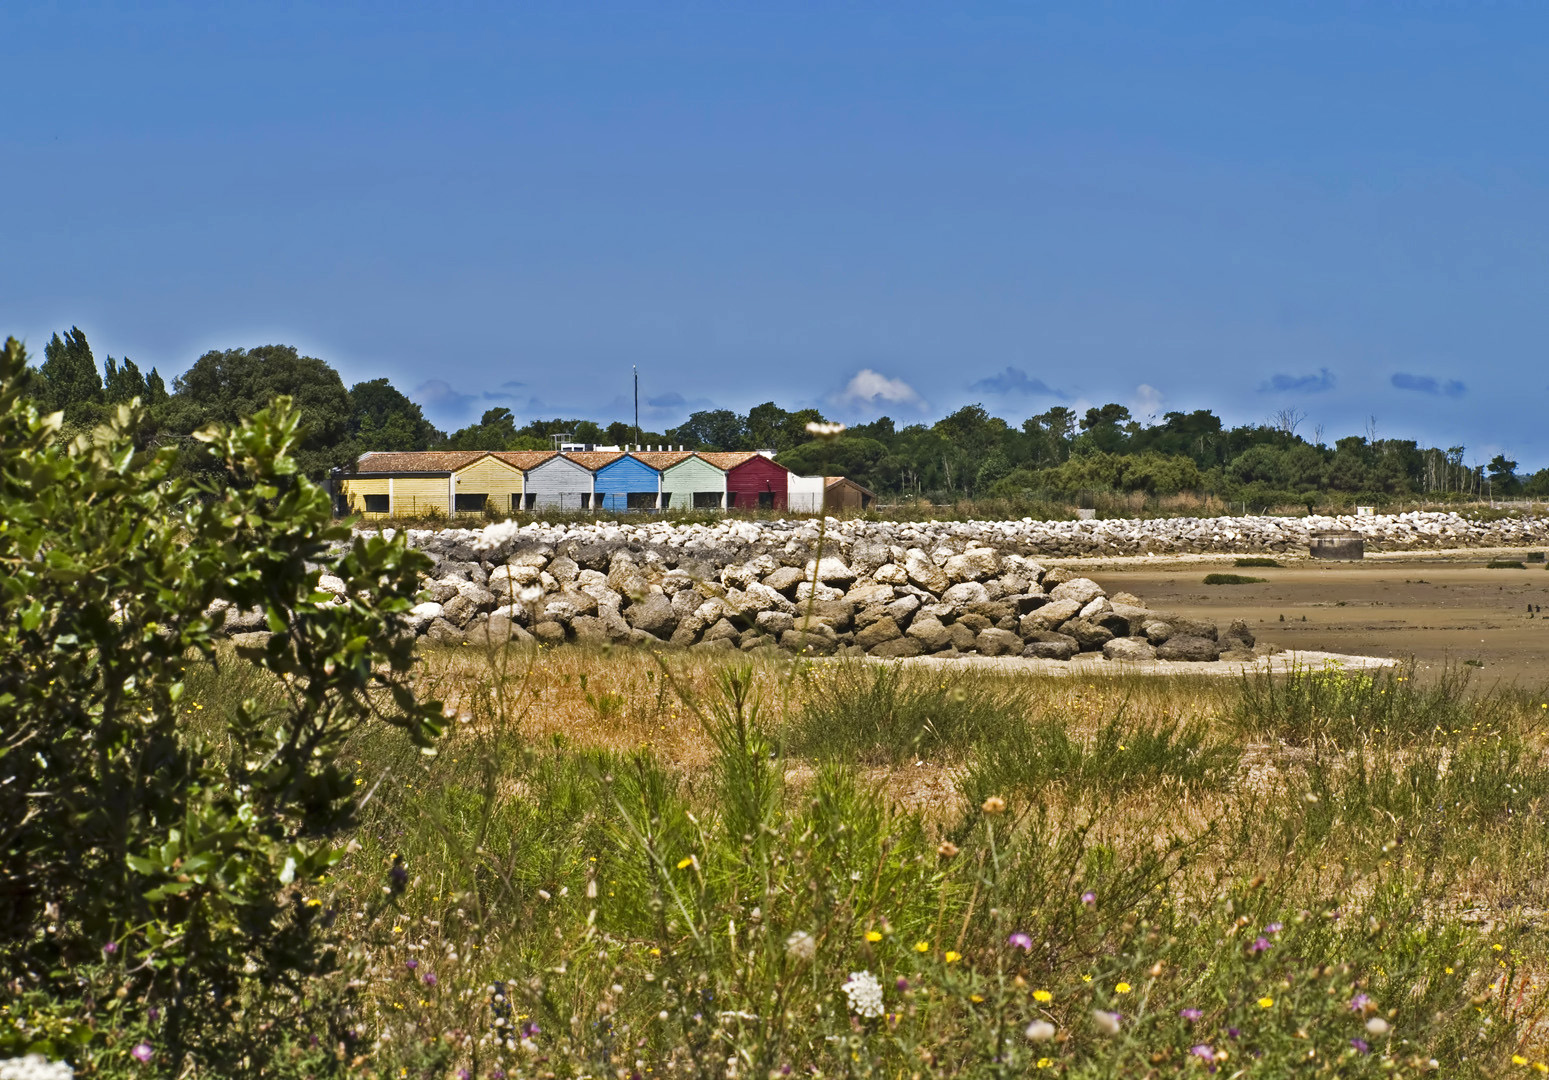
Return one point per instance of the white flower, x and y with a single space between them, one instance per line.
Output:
801 946
865 994
1040 1031
1107 1022
824 431
35 1067
1377 1026
530 594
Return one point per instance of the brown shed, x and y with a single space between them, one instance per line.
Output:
842 493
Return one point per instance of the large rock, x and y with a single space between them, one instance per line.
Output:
1128 648
722 629
1188 647
653 614
924 573
784 580
1156 630
774 622
1051 646
883 629
1238 636
563 569
866 595
961 637
1049 617
1193 628
814 641
930 633
1089 635
497 630
1082 590
890 574
898 647
994 642
975 564
444 633
964 593
839 614
805 589
512 578
458 610
830 571
590 630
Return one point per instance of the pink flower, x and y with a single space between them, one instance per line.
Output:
110 948
1191 1015
1021 941
1203 1051
1273 928
1259 945
142 1053
430 978
1089 897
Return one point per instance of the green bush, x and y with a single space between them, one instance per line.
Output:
1505 564
1232 579
1257 560
157 874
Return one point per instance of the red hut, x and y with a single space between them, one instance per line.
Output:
753 481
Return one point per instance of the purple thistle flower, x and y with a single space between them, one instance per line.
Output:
1361 1046
1232 1033
430 978
1191 1015
142 1053
498 1074
1089 897
1259 945
1274 928
154 1013
1359 1003
901 984
411 963
462 1074
110 948
1021 941
1203 1050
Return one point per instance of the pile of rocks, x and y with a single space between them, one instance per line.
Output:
867 598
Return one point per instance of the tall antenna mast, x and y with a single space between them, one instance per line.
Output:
636 369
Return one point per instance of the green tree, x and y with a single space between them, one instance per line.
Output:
382 418
71 382
1502 473
224 387
496 430
155 873
712 429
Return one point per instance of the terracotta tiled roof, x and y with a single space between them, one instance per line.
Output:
594 459
663 459
729 460
524 459
830 481
419 461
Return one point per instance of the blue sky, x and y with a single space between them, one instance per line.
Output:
889 208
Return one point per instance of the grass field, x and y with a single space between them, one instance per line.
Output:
622 865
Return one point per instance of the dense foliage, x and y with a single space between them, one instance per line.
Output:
157 885
1056 455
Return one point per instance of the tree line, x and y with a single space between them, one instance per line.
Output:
969 454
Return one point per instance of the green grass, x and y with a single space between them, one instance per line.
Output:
1232 579
1257 560
1505 564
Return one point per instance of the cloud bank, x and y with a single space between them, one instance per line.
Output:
870 388
1014 381
1299 384
1425 384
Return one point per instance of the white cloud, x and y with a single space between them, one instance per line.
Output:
870 387
1147 403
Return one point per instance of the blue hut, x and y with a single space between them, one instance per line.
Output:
627 483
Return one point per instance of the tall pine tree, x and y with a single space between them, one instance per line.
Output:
70 378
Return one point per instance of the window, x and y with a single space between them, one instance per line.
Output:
666 499
708 500
470 504
516 501
640 500
731 499
766 500
375 504
586 500
532 500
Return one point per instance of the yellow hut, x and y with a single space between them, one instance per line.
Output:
429 483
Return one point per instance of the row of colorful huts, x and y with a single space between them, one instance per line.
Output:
450 482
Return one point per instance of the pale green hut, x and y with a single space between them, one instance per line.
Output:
689 482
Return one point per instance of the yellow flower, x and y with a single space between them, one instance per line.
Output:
1497 948
1518 1059
656 952
1449 971
922 946
1043 996
1122 988
688 861
977 999
953 957
873 936
1086 978
1044 1063
1539 1066
1266 1002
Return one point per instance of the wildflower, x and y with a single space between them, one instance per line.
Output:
430 978
1123 988
1266 1002
1089 898
142 1053
1203 1050
1359 1003
110 948
1041 1031
411 963
462 1074
685 862
922 946
1377 1026
1232 1033
865 994
801 946
1107 1022
873 936
1259 945
1042 996
1044 1063
994 805
946 849
1191 1015
1274 928
1518 1059
1361 1046
1021 941
901 984
824 430
953 957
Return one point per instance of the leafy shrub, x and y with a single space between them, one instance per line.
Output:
156 876
1232 579
1257 560
1505 564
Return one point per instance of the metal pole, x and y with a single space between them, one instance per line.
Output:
636 369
